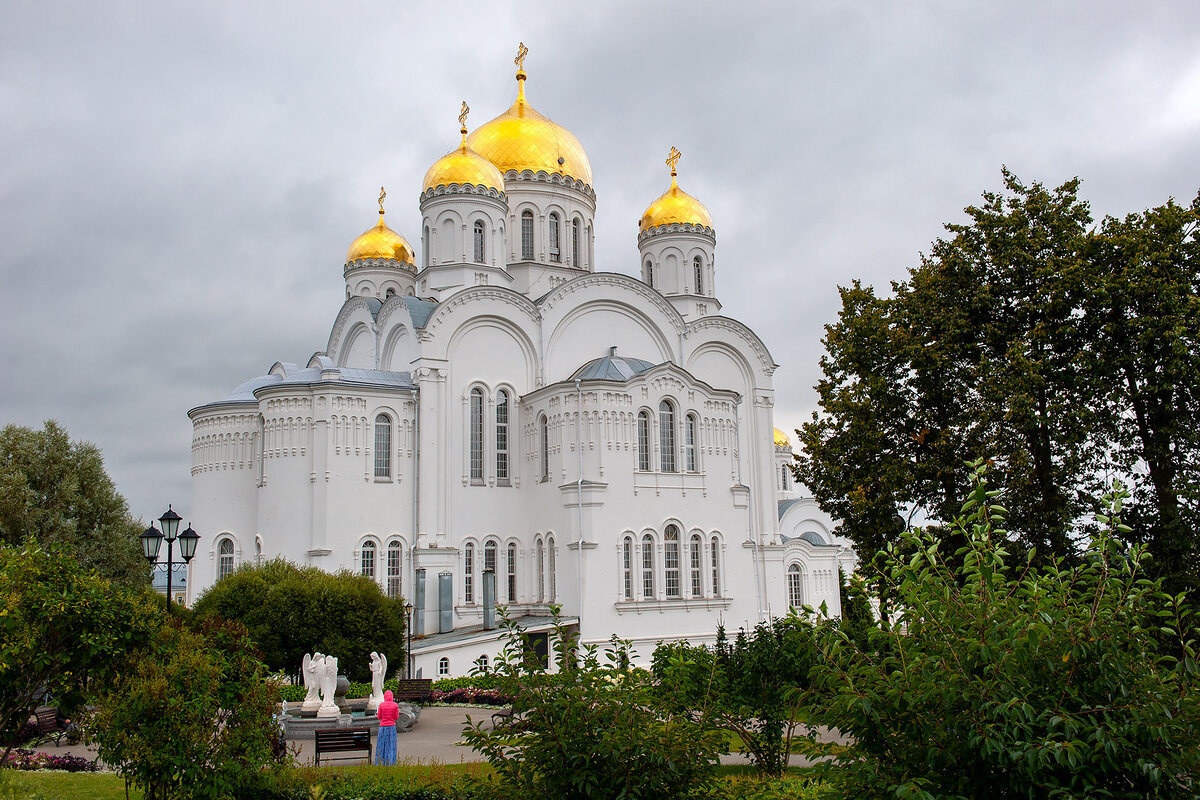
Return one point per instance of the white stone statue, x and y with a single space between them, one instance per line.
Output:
378 672
310 670
329 706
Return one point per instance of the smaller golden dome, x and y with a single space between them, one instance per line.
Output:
380 242
465 167
781 439
675 205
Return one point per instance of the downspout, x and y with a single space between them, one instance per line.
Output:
579 493
737 440
412 550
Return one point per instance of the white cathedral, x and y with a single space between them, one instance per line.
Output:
496 422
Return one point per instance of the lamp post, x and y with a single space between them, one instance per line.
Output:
152 540
408 609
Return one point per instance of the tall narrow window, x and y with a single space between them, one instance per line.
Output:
697 565
224 558
785 476
541 570
666 435
393 570
469 573
643 440
479 249
795 580
690 428
502 437
671 560
368 559
698 268
489 557
512 573
716 566
544 447
383 446
476 424
527 235
575 243
649 274
627 568
553 568
648 567
555 253
428 246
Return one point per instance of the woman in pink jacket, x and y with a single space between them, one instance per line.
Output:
385 744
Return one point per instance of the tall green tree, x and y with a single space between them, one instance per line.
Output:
58 492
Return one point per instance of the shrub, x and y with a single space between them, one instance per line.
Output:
1009 680
29 760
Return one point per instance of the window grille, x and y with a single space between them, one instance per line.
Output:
555 253
671 560
716 566
627 568
575 242
502 437
689 443
697 566
225 558
698 268
368 559
383 446
527 235
479 249
795 580
648 567
469 573
666 435
393 570
476 423
643 443
512 573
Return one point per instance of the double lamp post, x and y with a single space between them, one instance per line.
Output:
152 541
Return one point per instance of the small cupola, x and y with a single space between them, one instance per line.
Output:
379 263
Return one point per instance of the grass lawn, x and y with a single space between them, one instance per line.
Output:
65 785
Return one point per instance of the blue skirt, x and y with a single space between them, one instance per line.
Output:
385 745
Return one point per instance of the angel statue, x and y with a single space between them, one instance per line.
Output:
310 670
378 673
328 688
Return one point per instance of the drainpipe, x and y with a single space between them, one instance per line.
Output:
737 440
579 493
412 550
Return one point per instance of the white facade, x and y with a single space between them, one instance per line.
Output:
598 443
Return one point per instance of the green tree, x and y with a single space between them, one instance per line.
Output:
63 630
191 714
291 610
57 491
1010 679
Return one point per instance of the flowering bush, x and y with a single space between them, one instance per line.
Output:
471 695
29 760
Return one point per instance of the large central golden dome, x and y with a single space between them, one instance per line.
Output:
521 139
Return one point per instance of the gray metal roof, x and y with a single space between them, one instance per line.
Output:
310 375
611 367
419 310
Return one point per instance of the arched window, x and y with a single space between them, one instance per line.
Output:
482 663
648 567
553 569
368 559
690 428
627 568
541 570
469 573
224 557
575 242
666 435
671 560
527 235
555 253
502 437
479 234
390 293
785 478
476 435
795 586
258 559
489 556
383 446
698 269
428 245
649 274
393 570
512 573
443 667
643 440
716 566
696 562
544 447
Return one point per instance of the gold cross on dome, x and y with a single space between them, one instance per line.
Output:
673 159
382 195
462 115
522 51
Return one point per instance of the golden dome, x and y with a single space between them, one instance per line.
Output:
781 439
465 167
675 205
521 139
380 242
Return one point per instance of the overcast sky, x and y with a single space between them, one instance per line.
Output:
181 181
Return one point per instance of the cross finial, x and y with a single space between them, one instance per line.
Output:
522 51
462 115
382 195
673 159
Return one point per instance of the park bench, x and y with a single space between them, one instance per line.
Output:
48 724
413 690
342 740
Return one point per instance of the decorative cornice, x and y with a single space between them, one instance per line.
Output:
476 293
541 176
478 190
378 263
679 227
551 298
744 333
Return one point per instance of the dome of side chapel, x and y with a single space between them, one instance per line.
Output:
675 205
380 242
781 439
465 167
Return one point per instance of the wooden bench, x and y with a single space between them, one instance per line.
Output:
48 725
416 690
342 740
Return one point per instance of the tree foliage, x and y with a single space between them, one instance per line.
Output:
57 491
291 610
63 630
1067 354
1008 679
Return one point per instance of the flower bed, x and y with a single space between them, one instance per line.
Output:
30 760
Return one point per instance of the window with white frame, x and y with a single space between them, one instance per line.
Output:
647 567
502 437
690 430
555 253
785 476
482 663
715 555
224 557
666 435
479 239
393 570
575 242
489 556
541 569
512 573
649 273
643 440
698 269
544 447
475 422
627 568
383 446
671 561
795 582
367 559
469 573
696 564
553 568
527 235
443 667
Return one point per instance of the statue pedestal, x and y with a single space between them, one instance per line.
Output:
328 711
310 706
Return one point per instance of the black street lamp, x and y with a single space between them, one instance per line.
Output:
152 540
408 609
